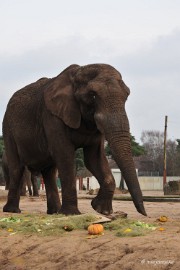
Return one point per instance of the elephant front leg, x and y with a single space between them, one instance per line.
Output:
68 183
96 162
69 193
102 203
69 200
53 200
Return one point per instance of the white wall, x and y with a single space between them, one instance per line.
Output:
154 183
146 182
93 183
117 176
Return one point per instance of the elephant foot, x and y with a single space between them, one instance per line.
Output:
53 205
70 210
11 209
35 195
103 206
51 211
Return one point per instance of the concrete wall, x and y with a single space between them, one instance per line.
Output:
93 183
146 182
154 183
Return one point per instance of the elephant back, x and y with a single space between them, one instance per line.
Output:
24 108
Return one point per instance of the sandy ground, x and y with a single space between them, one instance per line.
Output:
73 251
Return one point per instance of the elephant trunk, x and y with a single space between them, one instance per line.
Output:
116 130
121 150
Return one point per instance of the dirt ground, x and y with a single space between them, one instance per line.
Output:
73 251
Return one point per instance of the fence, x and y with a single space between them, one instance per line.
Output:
147 173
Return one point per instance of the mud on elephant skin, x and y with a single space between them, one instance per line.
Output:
46 121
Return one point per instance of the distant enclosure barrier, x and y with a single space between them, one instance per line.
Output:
146 182
147 173
154 182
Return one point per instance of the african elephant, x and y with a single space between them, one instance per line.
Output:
45 123
27 179
5 171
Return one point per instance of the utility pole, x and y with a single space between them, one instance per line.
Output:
165 138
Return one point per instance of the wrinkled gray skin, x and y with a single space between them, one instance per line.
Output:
27 179
30 180
45 123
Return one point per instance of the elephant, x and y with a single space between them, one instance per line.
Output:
5 170
27 179
48 120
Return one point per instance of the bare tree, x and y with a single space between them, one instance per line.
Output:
152 141
171 157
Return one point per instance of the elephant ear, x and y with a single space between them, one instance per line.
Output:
59 98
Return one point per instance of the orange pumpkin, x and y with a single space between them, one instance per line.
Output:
95 229
163 219
161 229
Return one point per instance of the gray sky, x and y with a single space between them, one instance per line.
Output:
141 38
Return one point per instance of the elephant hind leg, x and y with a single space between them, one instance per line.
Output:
53 200
12 205
16 170
34 186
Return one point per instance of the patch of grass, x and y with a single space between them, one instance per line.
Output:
44 224
52 225
125 227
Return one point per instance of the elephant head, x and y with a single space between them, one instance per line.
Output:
96 94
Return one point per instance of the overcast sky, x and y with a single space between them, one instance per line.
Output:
141 38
